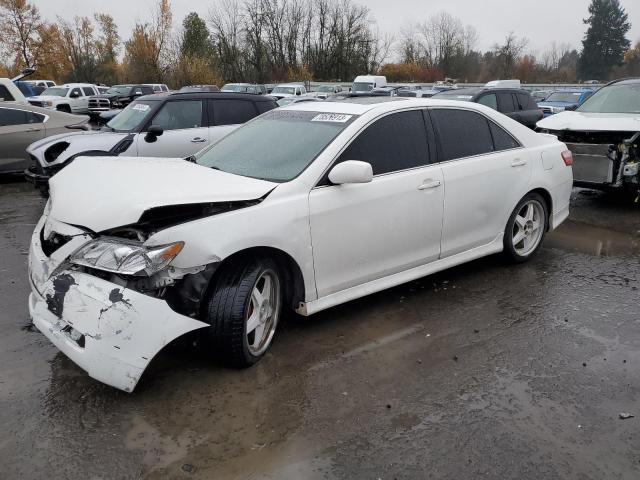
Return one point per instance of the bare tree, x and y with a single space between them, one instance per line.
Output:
19 22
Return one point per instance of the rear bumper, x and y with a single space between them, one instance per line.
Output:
37 179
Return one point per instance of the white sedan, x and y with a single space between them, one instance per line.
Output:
303 208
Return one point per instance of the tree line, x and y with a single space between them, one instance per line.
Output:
280 40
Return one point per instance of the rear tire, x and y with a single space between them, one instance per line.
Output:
526 228
244 309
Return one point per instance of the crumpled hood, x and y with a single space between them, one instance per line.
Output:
41 98
598 122
106 192
81 141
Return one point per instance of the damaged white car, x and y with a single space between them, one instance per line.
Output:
362 196
604 136
164 125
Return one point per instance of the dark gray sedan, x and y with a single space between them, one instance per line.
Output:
21 125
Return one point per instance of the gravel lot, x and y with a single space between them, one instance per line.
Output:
486 370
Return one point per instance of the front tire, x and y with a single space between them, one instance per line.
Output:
244 309
526 228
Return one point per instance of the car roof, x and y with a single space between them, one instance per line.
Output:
289 85
626 81
362 105
72 85
214 95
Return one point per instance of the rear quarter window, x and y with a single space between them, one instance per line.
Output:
5 95
232 112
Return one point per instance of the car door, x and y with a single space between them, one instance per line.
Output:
486 171
507 106
363 232
185 131
528 109
18 129
229 114
83 101
75 97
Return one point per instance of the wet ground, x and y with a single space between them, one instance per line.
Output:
483 371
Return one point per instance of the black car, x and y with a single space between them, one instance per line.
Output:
117 97
513 102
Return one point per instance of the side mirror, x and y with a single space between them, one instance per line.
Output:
351 171
74 95
137 93
153 133
298 92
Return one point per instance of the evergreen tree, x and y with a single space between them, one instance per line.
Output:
605 42
196 40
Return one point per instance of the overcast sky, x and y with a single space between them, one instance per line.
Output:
541 21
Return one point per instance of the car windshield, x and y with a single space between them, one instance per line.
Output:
325 88
362 87
119 90
132 116
230 87
616 98
56 91
568 97
287 90
276 146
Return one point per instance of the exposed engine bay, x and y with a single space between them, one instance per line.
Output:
604 160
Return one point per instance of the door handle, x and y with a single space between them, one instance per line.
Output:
198 140
430 184
518 163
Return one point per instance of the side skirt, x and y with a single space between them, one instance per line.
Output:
343 296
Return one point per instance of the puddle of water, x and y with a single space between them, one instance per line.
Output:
599 242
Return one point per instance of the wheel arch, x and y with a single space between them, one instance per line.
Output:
294 286
548 200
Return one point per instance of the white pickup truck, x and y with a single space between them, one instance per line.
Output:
70 97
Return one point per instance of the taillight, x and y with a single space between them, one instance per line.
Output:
567 156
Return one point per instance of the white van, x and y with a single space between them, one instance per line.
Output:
366 83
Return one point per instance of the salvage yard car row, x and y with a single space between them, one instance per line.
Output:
215 233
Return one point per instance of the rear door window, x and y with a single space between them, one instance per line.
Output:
461 133
489 100
393 143
505 102
178 115
232 112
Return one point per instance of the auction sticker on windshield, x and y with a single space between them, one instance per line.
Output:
141 106
331 117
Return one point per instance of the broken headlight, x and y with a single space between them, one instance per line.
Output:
125 257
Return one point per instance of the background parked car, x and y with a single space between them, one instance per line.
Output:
540 95
158 87
288 90
604 136
161 125
323 91
283 102
565 99
117 97
513 102
199 88
21 125
410 91
253 88
70 97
